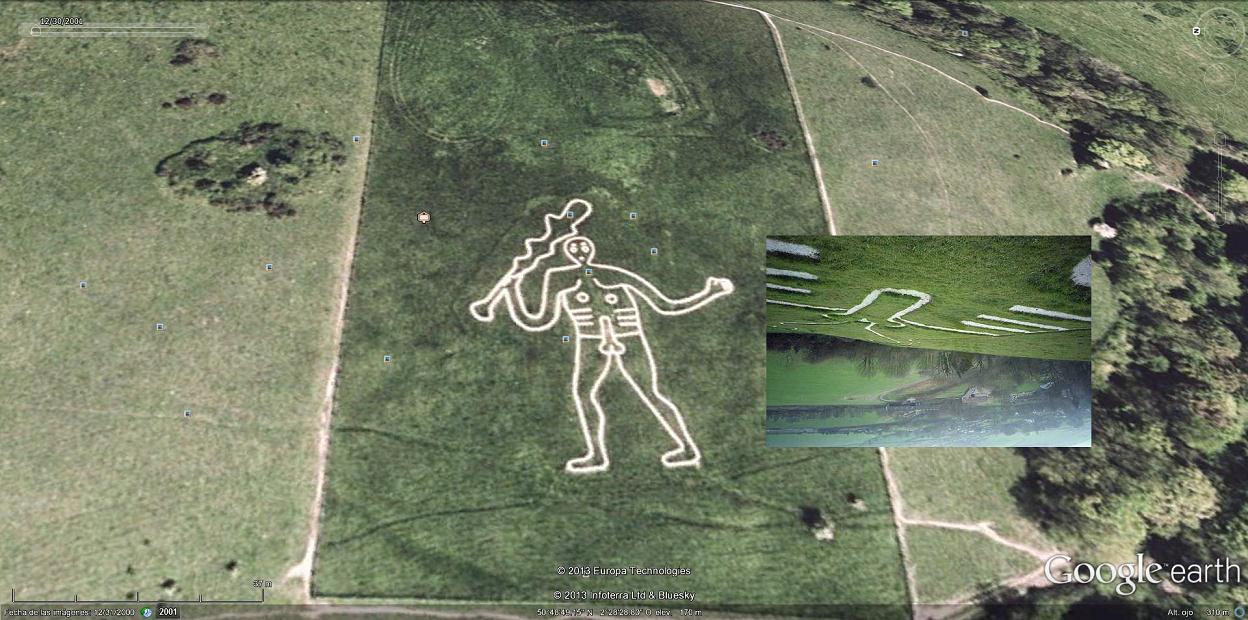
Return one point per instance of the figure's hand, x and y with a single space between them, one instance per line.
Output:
483 309
480 311
719 286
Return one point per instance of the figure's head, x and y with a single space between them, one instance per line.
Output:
579 250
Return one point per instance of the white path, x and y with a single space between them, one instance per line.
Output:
1050 313
789 273
789 289
1023 323
789 303
302 571
801 119
996 327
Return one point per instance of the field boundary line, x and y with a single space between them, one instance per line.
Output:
303 569
801 120
797 105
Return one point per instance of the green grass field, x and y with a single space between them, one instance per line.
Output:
950 162
836 381
445 474
108 488
978 563
1153 41
965 484
966 276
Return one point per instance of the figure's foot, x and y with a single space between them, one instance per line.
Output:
684 456
587 464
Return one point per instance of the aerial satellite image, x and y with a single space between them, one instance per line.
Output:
460 309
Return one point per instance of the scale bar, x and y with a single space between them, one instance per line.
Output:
117 30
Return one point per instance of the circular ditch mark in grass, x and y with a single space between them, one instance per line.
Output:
1218 81
1221 32
448 69
613 76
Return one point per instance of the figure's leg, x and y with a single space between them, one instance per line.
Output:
587 377
645 382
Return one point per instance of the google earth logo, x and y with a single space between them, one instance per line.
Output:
146 612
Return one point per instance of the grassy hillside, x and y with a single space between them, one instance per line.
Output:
950 161
979 563
967 485
966 276
1154 42
108 487
445 475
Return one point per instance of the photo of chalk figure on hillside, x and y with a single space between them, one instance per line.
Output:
929 341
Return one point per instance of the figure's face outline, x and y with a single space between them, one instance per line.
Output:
579 250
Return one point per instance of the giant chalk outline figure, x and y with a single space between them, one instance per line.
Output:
602 303
923 299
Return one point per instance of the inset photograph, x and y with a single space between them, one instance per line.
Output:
969 341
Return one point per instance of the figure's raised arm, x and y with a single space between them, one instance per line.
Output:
714 289
548 310
544 320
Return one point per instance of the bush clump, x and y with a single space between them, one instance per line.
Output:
190 51
1118 154
257 167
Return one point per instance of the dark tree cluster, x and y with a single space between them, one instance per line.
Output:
257 167
1170 381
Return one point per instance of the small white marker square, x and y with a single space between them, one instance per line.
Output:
588 271
567 339
355 138
654 250
632 215
544 142
386 358
160 327
186 413
875 162
82 284
268 266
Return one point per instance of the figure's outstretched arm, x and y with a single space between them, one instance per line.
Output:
714 289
